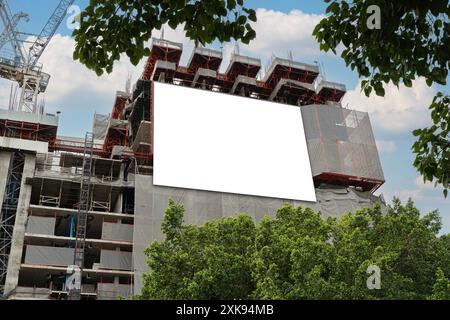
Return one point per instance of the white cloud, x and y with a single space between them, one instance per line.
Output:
400 110
69 77
404 195
278 33
386 146
424 185
422 191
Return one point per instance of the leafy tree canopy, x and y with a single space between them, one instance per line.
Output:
433 144
413 41
112 27
299 255
213 261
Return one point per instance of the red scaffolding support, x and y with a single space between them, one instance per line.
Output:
161 50
119 106
117 136
28 131
345 180
75 146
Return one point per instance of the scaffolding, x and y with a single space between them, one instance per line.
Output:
286 81
342 147
27 126
82 217
119 105
117 135
73 145
8 213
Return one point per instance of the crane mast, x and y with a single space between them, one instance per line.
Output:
25 69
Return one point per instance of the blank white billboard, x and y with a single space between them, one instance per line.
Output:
211 141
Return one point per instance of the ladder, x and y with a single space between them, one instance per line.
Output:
82 215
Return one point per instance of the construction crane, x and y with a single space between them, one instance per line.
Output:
24 68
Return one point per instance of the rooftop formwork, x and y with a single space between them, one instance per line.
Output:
285 81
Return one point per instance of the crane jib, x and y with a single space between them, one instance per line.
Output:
48 32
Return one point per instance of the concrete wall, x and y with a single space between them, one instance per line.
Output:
41 225
49 256
116 260
117 231
111 291
24 145
15 257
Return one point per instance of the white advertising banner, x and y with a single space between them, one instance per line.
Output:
211 141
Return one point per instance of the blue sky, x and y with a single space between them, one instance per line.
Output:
282 30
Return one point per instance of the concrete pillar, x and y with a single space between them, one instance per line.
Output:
15 257
5 161
122 172
119 203
118 206
116 282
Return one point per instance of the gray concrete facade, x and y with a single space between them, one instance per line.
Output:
15 256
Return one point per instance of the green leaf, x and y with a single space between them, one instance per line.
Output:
368 91
407 82
231 4
333 8
242 20
379 90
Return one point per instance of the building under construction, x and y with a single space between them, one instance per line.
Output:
91 202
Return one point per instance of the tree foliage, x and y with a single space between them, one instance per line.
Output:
112 27
299 255
441 289
433 144
212 261
413 41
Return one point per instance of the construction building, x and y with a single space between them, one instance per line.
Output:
93 200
